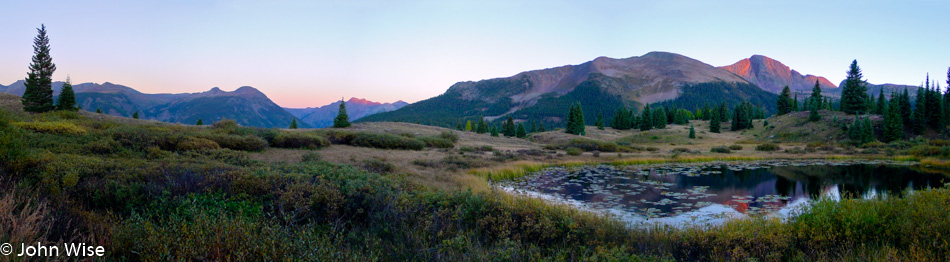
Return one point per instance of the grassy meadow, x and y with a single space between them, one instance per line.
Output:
393 192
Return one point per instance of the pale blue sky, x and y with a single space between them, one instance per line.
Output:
310 53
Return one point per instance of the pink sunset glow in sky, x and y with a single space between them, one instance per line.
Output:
311 53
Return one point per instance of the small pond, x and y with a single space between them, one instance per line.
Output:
710 193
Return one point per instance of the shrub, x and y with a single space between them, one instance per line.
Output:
299 140
795 150
386 141
593 145
767 147
652 149
225 124
720 149
58 127
195 143
238 142
340 137
680 150
311 157
872 144
926 150
105 145
573 151
451 136
735 147
437 141
379 166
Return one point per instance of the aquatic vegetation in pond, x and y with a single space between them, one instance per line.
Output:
712 192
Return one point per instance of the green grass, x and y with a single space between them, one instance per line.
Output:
161 192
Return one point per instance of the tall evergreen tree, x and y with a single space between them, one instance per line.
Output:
854 93
816 100
659 118
494 131
98 110
508 128
724 113
881 105
919 116
813 114
714 124
905 109
541 127
521 132
893 124
692 132
135 115
646 118
459 126
784 102
575 120
342 118
38 96
67 98
534 127
200 123
600 122
293 124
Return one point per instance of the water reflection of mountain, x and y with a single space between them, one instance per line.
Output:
857 180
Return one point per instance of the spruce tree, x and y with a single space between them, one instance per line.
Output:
342 118
692 132
893 124
541 127
38 96
919 116
508 128
646 119
459 126
521 132
881 105
714 124
854 93
905 109
816 98
293 124
784 103
534 127
67 98
575 120
659 118
600 122
494 131
135 115
199 123
813 114
98 110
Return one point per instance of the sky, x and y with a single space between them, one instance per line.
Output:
311 53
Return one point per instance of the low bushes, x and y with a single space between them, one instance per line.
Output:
767 147
194 143
595 145
300 140
735 147
720 149
437 142
386 141
573 151
237 142
58 127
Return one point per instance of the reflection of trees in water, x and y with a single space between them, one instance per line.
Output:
858 180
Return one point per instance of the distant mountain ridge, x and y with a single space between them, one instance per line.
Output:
772 75
600 85
246 105
356 108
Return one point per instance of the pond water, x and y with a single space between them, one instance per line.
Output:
710 193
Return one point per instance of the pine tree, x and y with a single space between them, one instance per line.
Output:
459 126
784 102
521 133
38 96
541 127
67 99
692 132
646 119
854 93
534 127
342 118
881 105
99 111
135 115
905 109
893 124
919 116
813 114
600 122
575 120
494 131
714 124
293 124
508 128
659 118
723 113
816 99
199 123
482 126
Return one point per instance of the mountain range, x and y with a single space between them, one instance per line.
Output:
246 105
356 108
604 84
